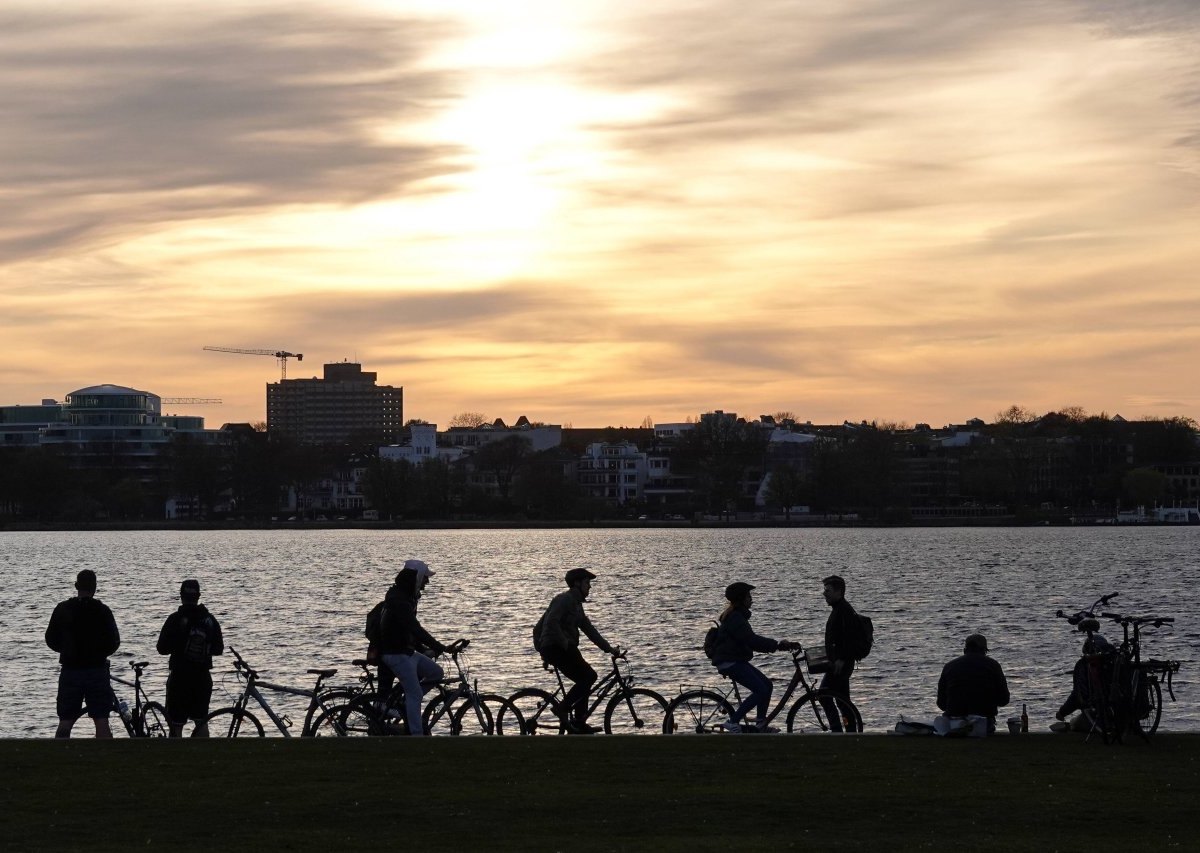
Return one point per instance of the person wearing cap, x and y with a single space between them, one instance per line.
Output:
403 638
191 636
735 646
84 633
973 684
842 637
556 638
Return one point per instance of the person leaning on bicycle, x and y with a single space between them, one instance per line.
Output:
735 646
1094 645
191 636
84 633
556 638
403 637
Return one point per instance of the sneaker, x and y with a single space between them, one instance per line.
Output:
731 727
574 727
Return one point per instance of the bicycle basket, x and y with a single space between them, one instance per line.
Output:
817 658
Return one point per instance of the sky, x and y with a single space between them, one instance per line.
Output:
591 213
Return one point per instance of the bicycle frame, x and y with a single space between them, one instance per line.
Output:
133 717
612 680
251 691
733 693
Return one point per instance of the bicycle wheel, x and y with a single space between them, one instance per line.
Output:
830 712
327 699
153 721
636 711
232 722
1148 710
696 712
530 711
475 718
357 718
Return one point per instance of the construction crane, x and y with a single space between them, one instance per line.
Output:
190 401
279 354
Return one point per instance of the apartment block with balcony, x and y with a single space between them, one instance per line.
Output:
345 406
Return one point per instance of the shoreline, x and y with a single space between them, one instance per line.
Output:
525 524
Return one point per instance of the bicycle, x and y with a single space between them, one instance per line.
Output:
707 710
145 718
238 721
630 710
1137 682
457 709
1116 690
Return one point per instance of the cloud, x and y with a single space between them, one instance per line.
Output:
119 121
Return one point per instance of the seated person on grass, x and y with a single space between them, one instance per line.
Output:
973 684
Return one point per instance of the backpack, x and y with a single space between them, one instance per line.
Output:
710 639
866 636
196 641
374 632
537 631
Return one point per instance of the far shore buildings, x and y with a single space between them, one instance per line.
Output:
344 406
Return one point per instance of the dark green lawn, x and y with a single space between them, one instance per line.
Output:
1038 792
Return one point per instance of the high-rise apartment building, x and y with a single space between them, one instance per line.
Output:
346 406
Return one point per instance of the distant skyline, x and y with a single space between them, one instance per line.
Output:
591 213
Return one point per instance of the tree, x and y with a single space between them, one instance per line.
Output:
787 488
784 415
502 459
647 422
719 453
386 485
472 420
1144 486
1016 416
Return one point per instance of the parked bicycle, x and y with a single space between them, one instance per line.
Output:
457 708
629 710
145 718
706 710
238 721
1116 690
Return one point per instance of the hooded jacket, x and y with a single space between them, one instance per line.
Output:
560 625
401 632
736 640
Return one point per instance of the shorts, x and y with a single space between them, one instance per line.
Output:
79 686
188 694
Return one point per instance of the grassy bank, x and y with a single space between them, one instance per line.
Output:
1039 792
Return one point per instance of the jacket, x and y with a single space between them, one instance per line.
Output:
841 632
400 630
972 684
83 632
560 625
736 640
173 638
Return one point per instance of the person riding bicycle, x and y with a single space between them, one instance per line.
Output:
191 636
402 639
556 638
735 645
84 633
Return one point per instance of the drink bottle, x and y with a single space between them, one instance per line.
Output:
1024 719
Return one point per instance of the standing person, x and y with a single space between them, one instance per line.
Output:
973 684
84 633
556 638
191 636
402 639
843 640
735 645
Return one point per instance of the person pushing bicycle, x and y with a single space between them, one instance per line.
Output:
735 645
556 638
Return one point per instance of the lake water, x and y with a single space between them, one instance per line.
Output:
290 600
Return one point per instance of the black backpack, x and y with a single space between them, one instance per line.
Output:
710 639
196 641
866 636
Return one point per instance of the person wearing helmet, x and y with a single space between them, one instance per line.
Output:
735 646
402 639
556 638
